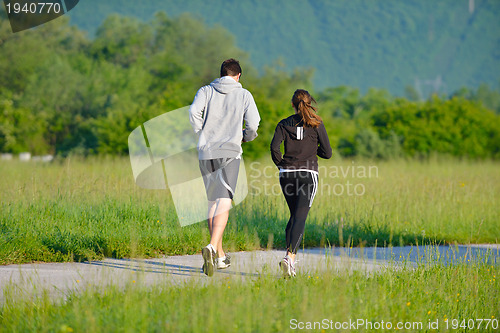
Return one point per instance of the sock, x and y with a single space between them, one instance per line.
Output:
221 259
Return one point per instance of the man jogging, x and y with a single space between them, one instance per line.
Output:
217 116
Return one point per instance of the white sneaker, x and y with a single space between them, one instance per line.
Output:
287 267
208 254
223 262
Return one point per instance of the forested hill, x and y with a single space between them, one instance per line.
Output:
62 93
389 44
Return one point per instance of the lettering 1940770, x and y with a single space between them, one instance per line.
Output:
33 7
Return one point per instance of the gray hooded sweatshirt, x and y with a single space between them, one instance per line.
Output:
217 115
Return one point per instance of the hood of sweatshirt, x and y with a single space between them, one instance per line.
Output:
225 84
294 126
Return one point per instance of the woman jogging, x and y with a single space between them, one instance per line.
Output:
305 138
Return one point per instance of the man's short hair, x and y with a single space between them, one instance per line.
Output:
230 67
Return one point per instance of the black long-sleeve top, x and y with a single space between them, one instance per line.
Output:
302 144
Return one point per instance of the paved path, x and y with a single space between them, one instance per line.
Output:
59 278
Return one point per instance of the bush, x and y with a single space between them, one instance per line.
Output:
369 144
457 126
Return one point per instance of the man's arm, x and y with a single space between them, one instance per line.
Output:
196 110
251 118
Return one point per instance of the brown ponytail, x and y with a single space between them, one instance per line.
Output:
302 100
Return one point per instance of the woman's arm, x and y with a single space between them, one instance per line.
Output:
275 145
324 148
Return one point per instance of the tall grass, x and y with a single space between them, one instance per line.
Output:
77 209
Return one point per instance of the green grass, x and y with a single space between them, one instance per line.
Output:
86 209
78 209
268 304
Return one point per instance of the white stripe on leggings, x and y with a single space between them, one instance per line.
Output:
315 189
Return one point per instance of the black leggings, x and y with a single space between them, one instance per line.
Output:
299 189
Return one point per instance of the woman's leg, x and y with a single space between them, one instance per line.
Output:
299 222
298 189
288 188
287 183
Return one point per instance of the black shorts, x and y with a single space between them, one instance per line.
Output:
220 176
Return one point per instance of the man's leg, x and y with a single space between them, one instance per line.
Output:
218 222
212 205
218 210
211 212
209 252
